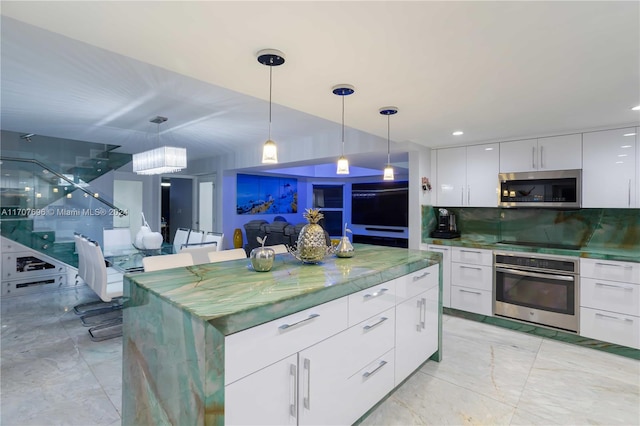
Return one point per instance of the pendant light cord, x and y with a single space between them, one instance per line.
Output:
388 139
343 125
270 84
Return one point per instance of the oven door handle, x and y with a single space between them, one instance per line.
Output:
536 275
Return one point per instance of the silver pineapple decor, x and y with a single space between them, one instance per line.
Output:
312 246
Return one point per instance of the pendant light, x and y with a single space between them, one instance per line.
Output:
164 159
388 111
271 58
343 90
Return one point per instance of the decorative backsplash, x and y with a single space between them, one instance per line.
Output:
585 228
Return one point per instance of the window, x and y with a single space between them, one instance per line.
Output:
329 199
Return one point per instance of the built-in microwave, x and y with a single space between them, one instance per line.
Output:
556 188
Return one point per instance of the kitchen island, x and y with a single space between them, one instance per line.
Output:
197 339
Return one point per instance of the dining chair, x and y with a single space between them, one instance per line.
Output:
117 241
195 237
181 237
215 237
167 261
200 252
279 248
223 255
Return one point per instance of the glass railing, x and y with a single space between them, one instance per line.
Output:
43 208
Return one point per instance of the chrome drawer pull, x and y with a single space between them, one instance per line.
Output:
375 370
306 400
285 327
614 265
369 327
472 292
598 314
421 276
471 251
293 407
615 286
375 293
471 267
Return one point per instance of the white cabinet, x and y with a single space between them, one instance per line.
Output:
472 280
331 363
416 332
467 176
610 301
609 171
550 153
446 272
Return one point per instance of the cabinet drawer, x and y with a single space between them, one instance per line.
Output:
416 282
472 300
610 296
473 276
257 347
614 328
471 255
610 270
372 301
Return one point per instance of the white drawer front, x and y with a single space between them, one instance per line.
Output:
474 276
416 282
609 327
610 270
610 296
372 301
471 255
472 300
257 347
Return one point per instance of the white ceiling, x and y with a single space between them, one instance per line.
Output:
100 70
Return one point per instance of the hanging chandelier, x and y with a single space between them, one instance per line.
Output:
343 90
271 58
388 170
165 159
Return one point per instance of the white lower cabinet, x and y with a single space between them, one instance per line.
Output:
330 371
472 280
416 332
610 301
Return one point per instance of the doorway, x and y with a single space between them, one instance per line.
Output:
207 202
177 205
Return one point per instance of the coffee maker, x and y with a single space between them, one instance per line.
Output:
446 226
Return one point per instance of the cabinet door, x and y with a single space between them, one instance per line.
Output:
610 327
451 171
609 169
416 332
266 397
483 165
560 152
519 156
446 272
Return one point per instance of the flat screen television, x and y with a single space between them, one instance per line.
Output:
380 203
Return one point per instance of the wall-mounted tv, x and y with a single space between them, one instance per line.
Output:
380 203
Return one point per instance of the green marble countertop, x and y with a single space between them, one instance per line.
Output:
232 297
492 244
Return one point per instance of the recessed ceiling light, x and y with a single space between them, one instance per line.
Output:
488 149
629 134
636 108
458 133
625 146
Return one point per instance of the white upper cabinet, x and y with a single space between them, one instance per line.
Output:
609 168
468 176
551 153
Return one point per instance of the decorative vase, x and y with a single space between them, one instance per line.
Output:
237 238
262 258
152 240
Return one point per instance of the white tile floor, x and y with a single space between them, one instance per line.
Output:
52 373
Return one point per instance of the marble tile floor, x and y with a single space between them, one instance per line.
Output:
52 373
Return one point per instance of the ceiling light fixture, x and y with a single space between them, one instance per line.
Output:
271 58
343 90
388 170
636 108
165 159
458 133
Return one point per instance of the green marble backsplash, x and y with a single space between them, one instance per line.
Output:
586 228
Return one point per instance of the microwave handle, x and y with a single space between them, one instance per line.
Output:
542 157
533 157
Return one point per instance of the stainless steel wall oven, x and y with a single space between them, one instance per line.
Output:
543 289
